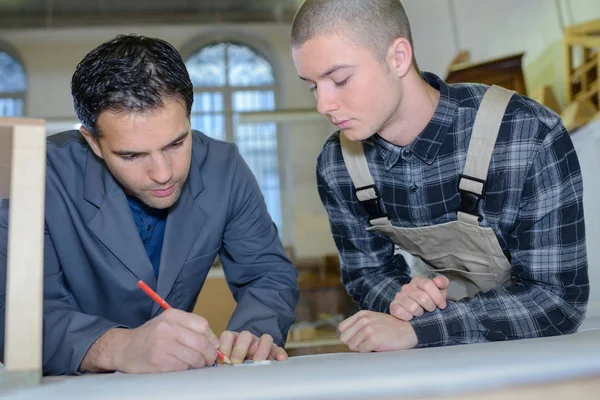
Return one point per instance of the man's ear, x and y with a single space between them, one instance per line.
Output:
400 55
92 141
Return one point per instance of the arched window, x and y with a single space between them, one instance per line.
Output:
13 85
230 78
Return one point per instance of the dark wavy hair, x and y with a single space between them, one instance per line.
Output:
130 73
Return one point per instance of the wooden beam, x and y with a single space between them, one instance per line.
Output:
586 41
567 70
577 114
25 255
584 28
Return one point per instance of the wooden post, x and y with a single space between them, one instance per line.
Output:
568 66
597 83
23 142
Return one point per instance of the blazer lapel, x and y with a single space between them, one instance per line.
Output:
184 223
113 224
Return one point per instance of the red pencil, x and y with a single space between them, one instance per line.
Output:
148 290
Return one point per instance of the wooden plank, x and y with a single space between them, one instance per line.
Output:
590 27
25 258
5 151
598 77
568 68
586 41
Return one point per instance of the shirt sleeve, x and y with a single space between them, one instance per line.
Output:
548 256
371 273
261 278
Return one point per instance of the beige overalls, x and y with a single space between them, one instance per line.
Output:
468 254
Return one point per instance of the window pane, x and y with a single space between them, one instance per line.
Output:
258 146
12 75
253 100
205 102
212 125
11 107
246 68
207 66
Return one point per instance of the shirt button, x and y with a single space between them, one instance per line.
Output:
413 189
406 154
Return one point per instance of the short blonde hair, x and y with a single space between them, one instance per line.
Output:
373 23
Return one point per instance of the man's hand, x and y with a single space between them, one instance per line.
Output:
174 341
245 346
418 296
368 331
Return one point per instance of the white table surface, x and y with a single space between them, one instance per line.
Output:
419 372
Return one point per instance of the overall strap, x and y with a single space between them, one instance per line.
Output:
472 182
364 186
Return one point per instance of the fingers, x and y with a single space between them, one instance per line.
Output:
357 340
278 353
434 296
242 345
349 321
349 327
422 291
400 312
195 350
226 342
441 282
420 295
189 357
263 348
170 364
194 323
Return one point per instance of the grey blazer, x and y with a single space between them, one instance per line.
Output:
94 256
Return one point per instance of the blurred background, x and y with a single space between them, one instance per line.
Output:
247 91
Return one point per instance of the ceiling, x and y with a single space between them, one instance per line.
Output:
61 13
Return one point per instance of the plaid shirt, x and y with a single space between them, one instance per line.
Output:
533 203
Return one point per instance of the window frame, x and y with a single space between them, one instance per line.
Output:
265 50
12 52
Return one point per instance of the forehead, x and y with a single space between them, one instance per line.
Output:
149 129
322 51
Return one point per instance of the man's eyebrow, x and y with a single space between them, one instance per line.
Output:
329 71
177 139
133 152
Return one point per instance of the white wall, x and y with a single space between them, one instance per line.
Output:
487 28
495 28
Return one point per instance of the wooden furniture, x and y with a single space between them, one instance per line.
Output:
578 114
582 69
581 73
545 96
322 304
505 71
215 301
22 179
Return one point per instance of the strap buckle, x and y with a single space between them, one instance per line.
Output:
371 206
470 200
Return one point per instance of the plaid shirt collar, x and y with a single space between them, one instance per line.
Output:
427 145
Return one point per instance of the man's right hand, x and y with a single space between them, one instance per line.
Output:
418 296
174 341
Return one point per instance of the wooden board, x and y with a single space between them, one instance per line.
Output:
433 373
24 291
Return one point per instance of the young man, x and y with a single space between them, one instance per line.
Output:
485 193
139 195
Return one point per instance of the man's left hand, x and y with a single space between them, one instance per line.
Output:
368 331
245 346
